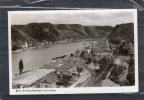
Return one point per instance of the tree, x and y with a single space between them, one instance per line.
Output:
79 69
131 73
103 63
124 49
64 80
89 60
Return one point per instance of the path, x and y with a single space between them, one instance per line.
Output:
30 77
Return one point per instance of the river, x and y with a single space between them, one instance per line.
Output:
36 58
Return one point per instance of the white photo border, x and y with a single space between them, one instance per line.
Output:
83 90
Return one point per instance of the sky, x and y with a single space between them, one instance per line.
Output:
71 17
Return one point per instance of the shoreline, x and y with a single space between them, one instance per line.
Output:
65 72
53 44
30 49
56 64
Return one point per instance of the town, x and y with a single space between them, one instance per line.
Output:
98 64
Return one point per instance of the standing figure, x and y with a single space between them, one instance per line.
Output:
21 66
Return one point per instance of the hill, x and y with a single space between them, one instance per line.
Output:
39 32
122 32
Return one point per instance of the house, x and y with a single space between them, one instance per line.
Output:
74 78
25 45
63 69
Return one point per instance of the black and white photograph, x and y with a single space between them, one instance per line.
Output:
73 51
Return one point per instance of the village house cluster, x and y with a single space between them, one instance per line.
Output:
105 61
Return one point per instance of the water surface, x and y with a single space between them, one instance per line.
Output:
36 58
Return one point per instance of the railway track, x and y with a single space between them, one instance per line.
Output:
96 79
103 74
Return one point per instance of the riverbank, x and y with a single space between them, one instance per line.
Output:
35 58
66 65
52 44
51 73
93 65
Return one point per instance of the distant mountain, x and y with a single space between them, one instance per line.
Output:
33 33
38 32
122 32
42 31
19 38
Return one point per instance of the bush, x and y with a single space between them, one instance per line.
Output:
131 73
124 49
116 71
115 41
103 63
64 80
89 60
15 47
131 79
